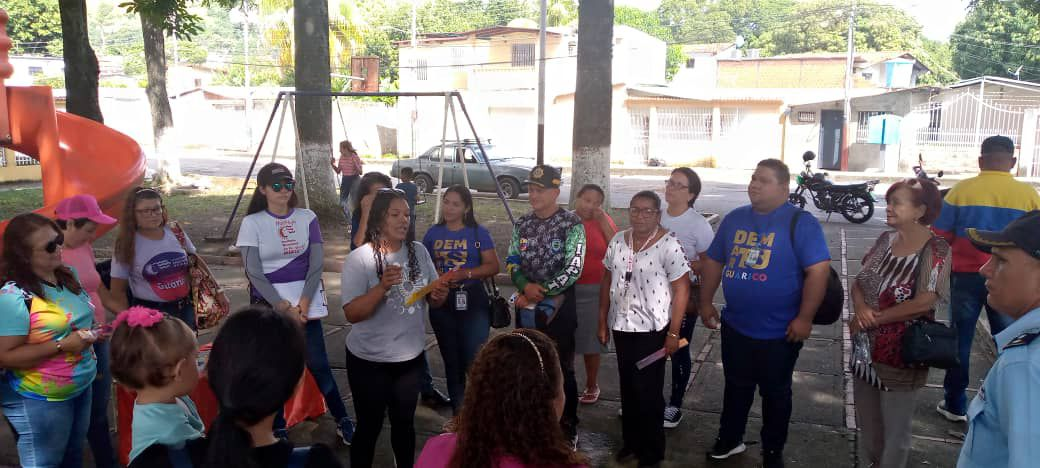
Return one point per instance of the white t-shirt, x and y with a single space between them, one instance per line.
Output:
643 303
693 232
394 332
160 269
284 246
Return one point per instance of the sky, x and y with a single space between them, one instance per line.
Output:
937 17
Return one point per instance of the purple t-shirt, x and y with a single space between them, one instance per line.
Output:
160 269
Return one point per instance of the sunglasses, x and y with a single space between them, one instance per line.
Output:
390 190
278 186
53 245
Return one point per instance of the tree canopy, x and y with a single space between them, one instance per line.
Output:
998 38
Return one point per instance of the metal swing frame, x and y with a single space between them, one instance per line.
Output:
286 101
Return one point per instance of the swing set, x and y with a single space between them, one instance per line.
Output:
286 102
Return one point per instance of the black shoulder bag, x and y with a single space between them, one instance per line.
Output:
927 343
498 308
833 297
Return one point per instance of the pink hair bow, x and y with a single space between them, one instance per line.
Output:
138 316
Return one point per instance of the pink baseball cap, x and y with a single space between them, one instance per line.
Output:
82 206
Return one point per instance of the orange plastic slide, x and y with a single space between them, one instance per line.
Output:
76 155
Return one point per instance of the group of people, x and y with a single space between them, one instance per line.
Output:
580 284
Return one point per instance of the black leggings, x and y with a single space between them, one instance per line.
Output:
379 388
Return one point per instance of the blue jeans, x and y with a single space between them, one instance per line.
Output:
98 436
967 298
345 185
183 309
48 433
460 334
318 364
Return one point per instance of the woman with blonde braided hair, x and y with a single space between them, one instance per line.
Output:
511 413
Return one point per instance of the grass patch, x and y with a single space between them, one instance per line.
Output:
19 200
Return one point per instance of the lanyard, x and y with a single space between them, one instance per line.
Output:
630 264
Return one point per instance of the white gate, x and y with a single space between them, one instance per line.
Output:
949 131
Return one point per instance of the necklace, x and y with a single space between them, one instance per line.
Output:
632 260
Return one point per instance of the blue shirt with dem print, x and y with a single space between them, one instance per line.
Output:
763 296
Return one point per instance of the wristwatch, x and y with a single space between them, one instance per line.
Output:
673 335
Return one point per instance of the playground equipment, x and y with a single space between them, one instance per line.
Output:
76 155
286 100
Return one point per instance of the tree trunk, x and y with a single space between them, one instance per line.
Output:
168 170
314 113
81 65
593 98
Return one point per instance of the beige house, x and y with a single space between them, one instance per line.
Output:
496 71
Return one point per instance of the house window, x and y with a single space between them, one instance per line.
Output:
572 49
934 121
421 70
23 160
35 71
457 54
690 63
863 124
729 119
807 117
523 55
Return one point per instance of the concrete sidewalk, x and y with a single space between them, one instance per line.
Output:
822 427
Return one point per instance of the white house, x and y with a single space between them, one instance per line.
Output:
30 67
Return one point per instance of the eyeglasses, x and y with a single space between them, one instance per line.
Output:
278 186
150 211
644 212
53 245
390 190
675 185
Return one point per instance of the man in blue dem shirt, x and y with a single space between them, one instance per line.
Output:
773 280
1004 417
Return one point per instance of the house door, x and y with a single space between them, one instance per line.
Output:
831 122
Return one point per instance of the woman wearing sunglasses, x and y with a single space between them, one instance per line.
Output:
45 339
284 253
151 260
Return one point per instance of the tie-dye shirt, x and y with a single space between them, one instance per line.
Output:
64 375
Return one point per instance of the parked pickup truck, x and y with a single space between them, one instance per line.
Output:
510 172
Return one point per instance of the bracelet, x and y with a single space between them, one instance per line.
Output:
673 335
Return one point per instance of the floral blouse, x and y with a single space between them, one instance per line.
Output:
887 280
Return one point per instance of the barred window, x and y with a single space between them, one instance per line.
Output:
523 55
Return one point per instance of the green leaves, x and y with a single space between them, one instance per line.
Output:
996 39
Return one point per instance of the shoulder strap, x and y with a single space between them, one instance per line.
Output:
1022 340
917 268
179 233
794 223
298 457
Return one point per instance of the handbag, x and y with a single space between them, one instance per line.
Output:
210 302
499 310
927 343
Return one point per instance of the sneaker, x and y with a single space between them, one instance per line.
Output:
672 416
282 434
345 430
772 459
949 415
722 451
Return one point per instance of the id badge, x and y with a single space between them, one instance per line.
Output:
753 254
460 300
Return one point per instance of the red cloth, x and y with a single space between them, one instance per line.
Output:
595 249
306 403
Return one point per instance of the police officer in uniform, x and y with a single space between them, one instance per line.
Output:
1004 418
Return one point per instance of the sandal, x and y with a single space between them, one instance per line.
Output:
589 397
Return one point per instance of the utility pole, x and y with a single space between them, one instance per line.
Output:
248 83
593 97
541 83
849 59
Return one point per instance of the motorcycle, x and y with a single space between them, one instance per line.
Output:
920 173
854 201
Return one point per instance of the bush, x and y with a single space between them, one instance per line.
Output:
56 82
